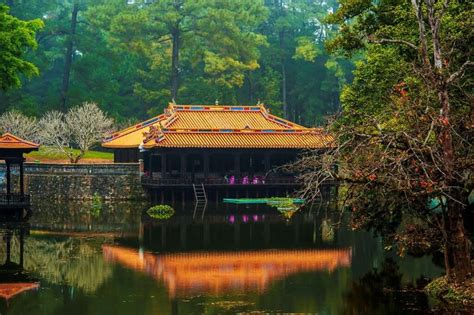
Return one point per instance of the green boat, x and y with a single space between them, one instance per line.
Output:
261 200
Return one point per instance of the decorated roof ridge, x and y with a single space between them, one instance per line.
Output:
246 130
170 115
135 127
11 138
220 107
238 108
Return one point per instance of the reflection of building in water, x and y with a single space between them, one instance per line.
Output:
224 272
243 229
12 246
13 280
9 290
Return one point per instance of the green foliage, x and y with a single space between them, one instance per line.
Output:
441 289
160 212
230 51
285 206
15 37
96 208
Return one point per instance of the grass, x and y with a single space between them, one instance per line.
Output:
441 289
46 154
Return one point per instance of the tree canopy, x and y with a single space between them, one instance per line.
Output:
404 137
133 57
16 36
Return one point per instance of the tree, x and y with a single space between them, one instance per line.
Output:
178 37
80 128
15 37
18 124
403 144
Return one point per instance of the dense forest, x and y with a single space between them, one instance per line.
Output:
134 57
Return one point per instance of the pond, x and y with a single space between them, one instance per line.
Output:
226 259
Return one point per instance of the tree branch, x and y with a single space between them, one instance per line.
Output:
460 72
395 41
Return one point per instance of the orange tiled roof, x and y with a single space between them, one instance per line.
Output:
9 141
183 126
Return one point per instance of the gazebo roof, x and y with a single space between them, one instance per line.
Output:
12 142
202 126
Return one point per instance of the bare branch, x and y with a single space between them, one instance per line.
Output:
460 72
395 41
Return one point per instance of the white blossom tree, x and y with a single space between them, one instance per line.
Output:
80 128
19 124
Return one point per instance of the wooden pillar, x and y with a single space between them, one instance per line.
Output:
237 164
22 182
267 162
163 165
183 165
206 165
8 179
150 164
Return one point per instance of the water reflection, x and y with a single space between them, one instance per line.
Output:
217 273
13 279
232 259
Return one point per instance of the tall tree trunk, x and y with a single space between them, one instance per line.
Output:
457 251
250 87
283 89
175 34
68 57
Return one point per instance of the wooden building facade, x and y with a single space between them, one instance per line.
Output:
225 146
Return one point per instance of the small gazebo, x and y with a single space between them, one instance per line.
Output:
13 199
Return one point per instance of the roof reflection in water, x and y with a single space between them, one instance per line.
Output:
215 273
9 290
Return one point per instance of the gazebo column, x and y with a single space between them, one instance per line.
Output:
22 181
163 165
206 164
183 165
150 164
267 162
8 178
237 164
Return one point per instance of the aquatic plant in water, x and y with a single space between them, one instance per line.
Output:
285 206
160 212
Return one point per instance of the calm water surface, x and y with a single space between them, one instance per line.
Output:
230 259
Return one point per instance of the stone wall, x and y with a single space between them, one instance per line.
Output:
83 181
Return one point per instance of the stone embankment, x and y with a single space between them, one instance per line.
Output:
82 181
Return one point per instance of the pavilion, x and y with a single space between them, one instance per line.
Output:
13 200
214 144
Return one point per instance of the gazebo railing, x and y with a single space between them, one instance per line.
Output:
243 180
14 199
